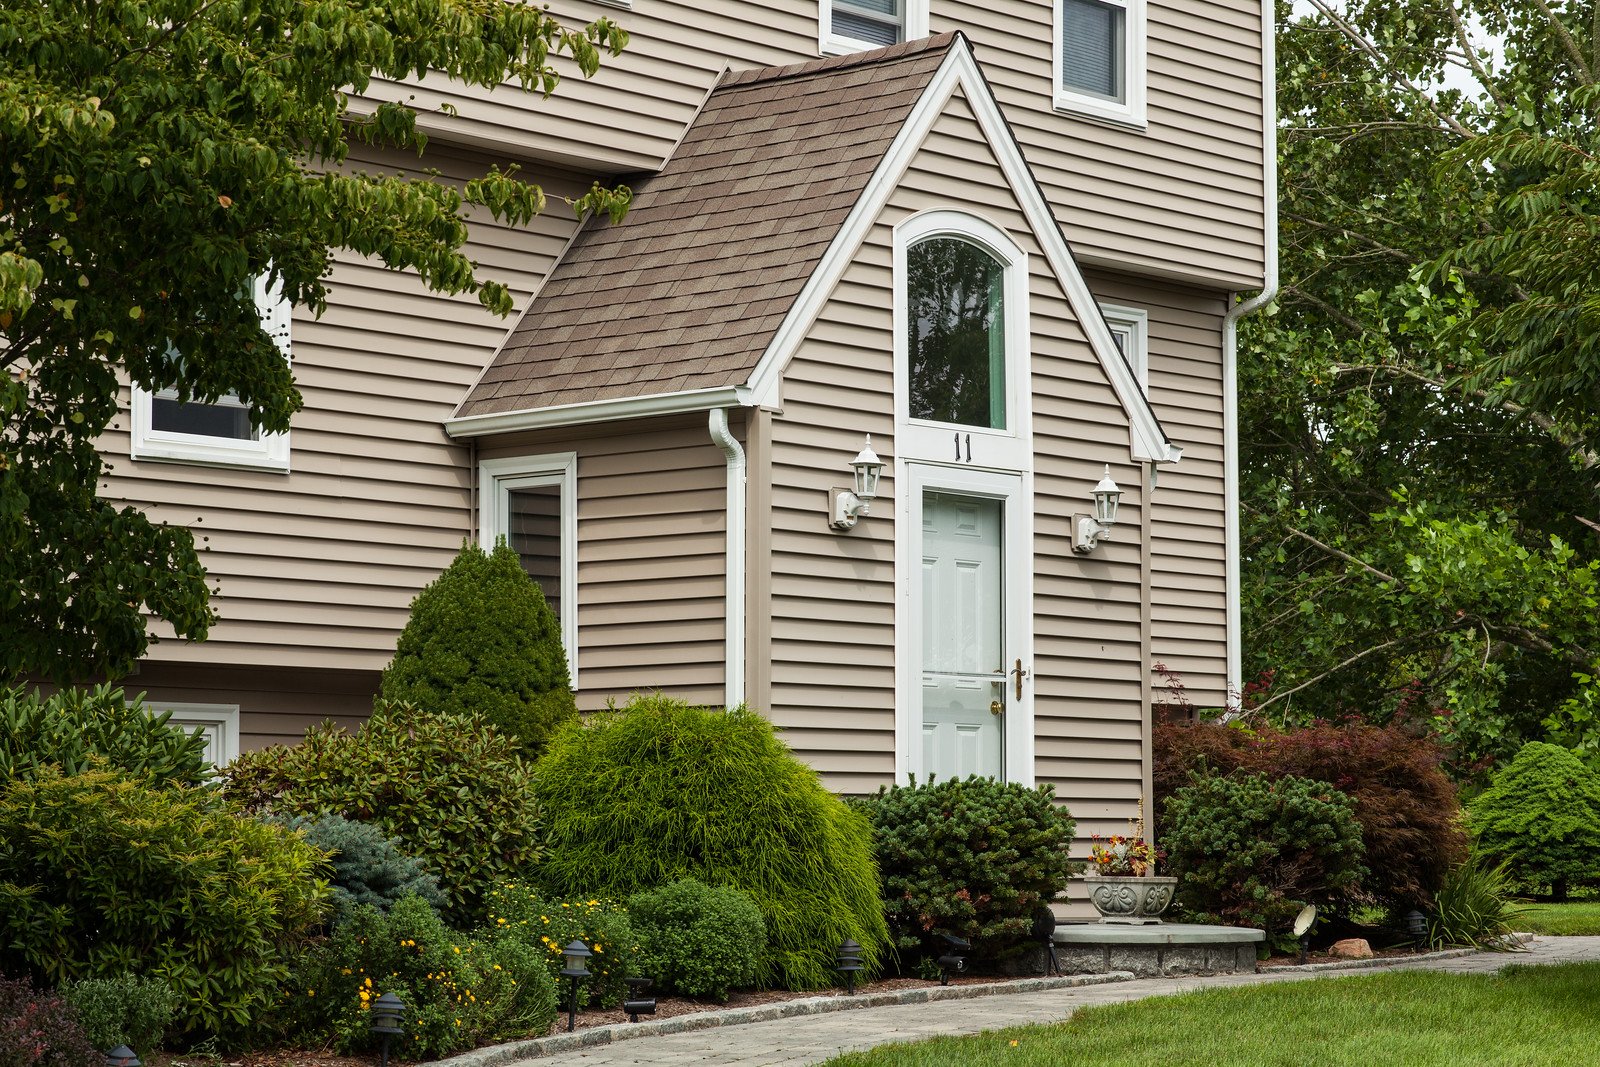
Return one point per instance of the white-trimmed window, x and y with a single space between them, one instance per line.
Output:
1130 328
216 432
961 342
1100 59
219 723
857 25
532 501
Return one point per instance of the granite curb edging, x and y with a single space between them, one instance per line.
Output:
786 1009
1375 961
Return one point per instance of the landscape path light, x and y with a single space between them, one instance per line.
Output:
846 506
1417 926
575 955
122 1056
849 963
384 1018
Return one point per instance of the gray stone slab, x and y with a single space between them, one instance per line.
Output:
1122 935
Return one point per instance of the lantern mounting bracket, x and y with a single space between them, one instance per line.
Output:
1086 533
846 508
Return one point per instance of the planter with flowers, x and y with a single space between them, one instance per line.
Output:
1122 880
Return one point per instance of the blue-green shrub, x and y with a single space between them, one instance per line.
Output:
698 940
366 866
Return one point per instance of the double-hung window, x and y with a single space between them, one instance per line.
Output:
532 502
857 25
219 431
1100 62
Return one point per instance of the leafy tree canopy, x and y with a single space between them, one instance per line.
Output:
156 156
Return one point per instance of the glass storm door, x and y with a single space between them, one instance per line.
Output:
963 667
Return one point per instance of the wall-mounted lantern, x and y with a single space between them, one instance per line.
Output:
846 506
1087 530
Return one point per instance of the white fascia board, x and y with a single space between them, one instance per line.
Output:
960 70
630 407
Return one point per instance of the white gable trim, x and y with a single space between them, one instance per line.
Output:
960 70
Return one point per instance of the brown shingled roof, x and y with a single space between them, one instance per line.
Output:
688 290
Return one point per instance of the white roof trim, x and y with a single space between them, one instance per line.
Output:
960 70
628 407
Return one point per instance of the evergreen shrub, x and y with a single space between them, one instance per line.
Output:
482 639
1253 850
974 857
548 925
40 1029
73 727
366 866
101 875
660 791
1408 808
452 790
124 1010
698 940
460 990
1541 817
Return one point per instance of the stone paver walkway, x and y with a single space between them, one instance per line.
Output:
814 1038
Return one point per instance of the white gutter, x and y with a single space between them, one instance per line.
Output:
1230 349
631 407
734 654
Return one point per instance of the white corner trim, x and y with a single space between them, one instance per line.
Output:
219 722
628 407
496 477
960 70
1130 112
734 615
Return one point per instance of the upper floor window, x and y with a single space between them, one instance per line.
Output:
1130 329
1100 62
857 25
217 431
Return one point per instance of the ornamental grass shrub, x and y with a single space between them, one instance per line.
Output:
1541 817
101 875
365 866
128 1009
548 925
1410 814
1253 850
698 940
973 857
460 990
454 792
76 728
40 1029
483 640
1474 906
660 791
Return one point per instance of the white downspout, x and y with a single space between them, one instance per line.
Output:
1230 347
734 654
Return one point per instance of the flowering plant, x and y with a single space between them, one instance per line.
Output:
1121 856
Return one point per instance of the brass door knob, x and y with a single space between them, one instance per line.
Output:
995 707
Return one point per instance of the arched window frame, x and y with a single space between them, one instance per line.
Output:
919 439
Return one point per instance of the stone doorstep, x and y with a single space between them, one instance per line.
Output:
786 1009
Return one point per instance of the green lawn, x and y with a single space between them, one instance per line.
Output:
1524 1017
1575 918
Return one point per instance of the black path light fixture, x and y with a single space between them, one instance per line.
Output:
849 963
954 960
122 1056
1044 932
1416 927
575 954
384 1019
637 1003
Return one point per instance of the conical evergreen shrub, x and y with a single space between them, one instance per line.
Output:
482 639
1541 816
661 791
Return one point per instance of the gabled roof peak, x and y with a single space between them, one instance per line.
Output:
830 64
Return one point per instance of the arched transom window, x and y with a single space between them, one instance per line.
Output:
956 333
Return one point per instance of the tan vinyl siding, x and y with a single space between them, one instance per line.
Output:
276 705
317 568
1181 199
652 544
832 596
1188 596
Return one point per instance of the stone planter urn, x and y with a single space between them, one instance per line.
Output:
1132 899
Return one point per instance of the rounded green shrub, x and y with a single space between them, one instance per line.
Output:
125 1010
970 857
698 940
482 639
547 925
1254 850
1541 817
660 791
101 875
452 790
366 865
73 727
39 1029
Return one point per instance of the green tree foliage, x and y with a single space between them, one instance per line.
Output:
482 639
366 866
1541 816
452 790
698 940
75 728
101 875
157 157
1413 475
661 791
971 857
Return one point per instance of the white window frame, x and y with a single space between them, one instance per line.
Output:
1133 326
834 44
496 478
919 439
219 721
269 451
1130 110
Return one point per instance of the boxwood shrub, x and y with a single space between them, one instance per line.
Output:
698 940
126 1010
660 791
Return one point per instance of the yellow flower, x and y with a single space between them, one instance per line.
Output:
311 992
458 949
497 966
1013 1042
599 947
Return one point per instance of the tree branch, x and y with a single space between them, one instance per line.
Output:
1472 55
1357 658
1567 43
